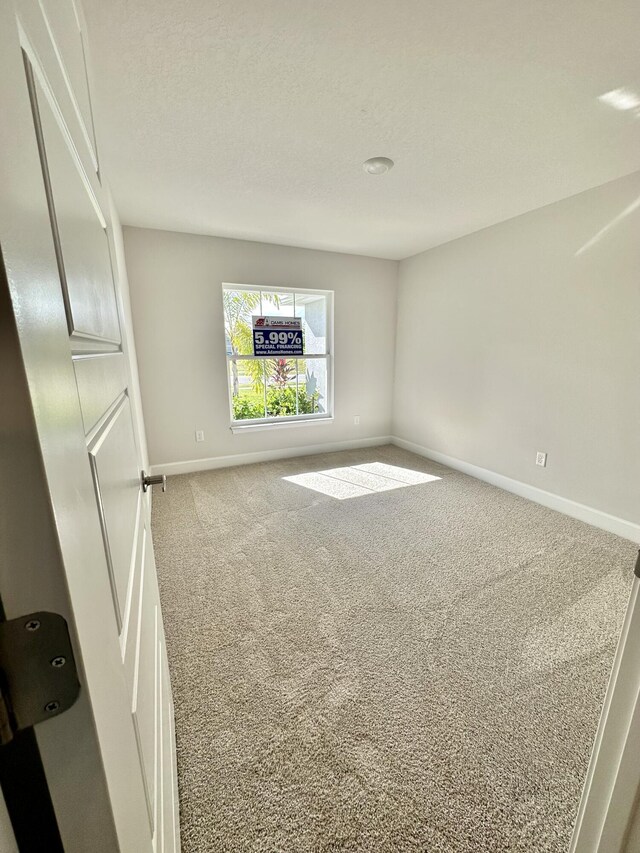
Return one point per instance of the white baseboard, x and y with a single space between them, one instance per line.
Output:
193 465
595 517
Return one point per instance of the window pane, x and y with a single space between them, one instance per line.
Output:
312 385
247 389
277 304
239 305
281 387
313 310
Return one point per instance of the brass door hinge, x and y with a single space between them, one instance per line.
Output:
38 677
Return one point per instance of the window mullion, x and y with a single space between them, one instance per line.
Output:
311 355
264 385
297 371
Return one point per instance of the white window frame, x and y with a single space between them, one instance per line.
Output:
288 420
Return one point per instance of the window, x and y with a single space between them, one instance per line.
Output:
268 390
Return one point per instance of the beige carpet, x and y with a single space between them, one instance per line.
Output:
419 668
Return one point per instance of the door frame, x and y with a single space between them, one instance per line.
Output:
609 813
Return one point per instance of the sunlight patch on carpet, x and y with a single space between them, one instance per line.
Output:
354 481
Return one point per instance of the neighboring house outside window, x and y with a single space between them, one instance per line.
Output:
268 390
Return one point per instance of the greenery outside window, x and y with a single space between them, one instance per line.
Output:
268 390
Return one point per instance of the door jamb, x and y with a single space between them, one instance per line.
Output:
610 793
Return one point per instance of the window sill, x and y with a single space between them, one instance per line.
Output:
236 428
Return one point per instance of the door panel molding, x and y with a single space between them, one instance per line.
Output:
43 51
137 555
43 80
168 796
85 122
116 480
101 379
78 227
146 684
83 343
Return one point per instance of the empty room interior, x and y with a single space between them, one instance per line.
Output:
321 349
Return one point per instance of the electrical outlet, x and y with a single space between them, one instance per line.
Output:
356 420
541 459
199 435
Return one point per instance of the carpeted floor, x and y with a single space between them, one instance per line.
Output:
419 668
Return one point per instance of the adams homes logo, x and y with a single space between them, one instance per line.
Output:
279 323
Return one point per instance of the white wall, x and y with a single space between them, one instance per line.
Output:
176 295
526 336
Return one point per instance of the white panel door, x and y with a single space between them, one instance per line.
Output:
110 760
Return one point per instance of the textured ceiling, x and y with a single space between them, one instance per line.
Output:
251 118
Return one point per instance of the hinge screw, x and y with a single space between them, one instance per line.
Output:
58 661
52 706
32 625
